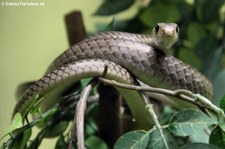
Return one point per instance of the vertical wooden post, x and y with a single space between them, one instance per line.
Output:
75 27
109 117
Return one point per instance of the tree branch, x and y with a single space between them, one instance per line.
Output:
154 117
183 94
186 95
79 116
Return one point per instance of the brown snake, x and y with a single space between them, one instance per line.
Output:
124 54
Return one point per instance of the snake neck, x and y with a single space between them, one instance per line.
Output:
159 41
146 39
150 40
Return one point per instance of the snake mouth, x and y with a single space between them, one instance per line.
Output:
169 36
166 43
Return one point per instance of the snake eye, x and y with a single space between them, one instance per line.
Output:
177 29
157 29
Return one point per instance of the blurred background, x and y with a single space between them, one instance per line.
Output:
32 36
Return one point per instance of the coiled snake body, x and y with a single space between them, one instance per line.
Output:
138 54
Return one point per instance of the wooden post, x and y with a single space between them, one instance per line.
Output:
75 27
109 118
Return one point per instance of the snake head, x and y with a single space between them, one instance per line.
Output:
164 35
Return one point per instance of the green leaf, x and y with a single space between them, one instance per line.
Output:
185 9
153 15
20 140
206 47
116 25
92 113
201 136
94 142
187 122
26 137
38 139
200 146
45 116
222 102
217 137
195 32
61 143
17 122
36 106
219 86
17 142
84 83
90 127
135 140
185 54
111 7
110 27
213 60
168 112
56 129
156 141
8 144
208 11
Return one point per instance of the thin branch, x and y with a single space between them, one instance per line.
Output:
79 116
183 94
162 127
154 117
210 105
152 113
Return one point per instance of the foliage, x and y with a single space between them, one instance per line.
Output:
110 7
184 123
201 45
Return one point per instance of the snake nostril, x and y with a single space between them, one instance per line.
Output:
168 32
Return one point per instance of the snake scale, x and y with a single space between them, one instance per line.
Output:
124 54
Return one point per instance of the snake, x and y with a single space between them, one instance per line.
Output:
128 57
